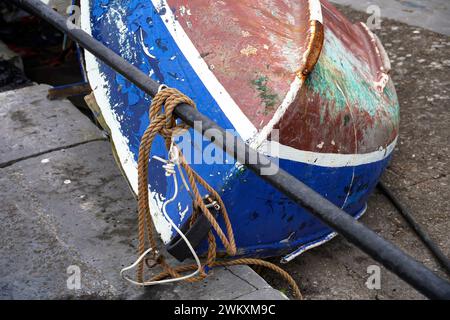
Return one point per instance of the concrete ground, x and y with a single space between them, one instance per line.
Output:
64 206
419 174
430 14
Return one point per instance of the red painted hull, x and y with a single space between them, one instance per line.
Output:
256 48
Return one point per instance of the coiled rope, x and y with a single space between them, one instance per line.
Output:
162 122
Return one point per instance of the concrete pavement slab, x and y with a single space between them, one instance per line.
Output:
433 15
30 124
75 209
71 207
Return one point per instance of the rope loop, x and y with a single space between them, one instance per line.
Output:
168 99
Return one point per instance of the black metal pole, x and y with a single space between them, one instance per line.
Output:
381 250
418 229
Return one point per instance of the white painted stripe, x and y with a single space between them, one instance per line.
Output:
121 143
315 10
262 135
238 119
332 160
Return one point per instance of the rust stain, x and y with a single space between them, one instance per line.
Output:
313 51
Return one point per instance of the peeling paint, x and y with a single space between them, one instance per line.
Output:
249 51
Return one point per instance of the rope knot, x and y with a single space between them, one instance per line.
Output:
161 112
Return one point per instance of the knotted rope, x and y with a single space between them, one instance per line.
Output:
162 122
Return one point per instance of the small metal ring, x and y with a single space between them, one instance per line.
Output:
155 259
162 87
212 203
150 265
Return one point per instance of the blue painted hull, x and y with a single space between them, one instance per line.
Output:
265 222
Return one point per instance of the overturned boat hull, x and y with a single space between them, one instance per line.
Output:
299 70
